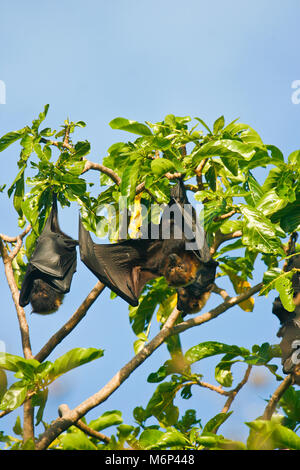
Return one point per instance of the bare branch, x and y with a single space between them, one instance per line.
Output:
205 317
15 295
224 216
8 239
71 323
103 169
271 406
83 427
220 291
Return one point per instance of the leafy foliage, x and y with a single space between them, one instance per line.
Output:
254 218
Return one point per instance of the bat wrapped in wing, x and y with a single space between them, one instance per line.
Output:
290 324
50 269
175 249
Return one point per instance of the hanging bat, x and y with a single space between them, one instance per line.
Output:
125 267
192 298
51 267
290 323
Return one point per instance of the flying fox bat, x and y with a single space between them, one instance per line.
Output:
290 324
177 252
192 298
51 267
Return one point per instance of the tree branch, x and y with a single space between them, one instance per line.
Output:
220 238
236 390
71 323
169 329
63 423
63 409
271 406
15 295
205 317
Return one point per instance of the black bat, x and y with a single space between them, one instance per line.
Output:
125 267
290 324
192 298
50 269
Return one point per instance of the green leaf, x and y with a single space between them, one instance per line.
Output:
77 441
42 116
161 404
212 426
212 348
14 396
74 358
245 132
40 400
3 383
269 435
219 124
212 441
109 418
149 438
161 166
170 439
17 429
223 373
256 191
12 137
224 148
13 363
284 286
294 158
204 124
259 232
130 126
270 202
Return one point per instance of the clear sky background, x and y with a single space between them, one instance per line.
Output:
97 60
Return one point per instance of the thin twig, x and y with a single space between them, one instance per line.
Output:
236 390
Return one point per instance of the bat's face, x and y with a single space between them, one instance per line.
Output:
44 299
190 304
180 270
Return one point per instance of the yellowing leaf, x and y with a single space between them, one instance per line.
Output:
136 217
240 286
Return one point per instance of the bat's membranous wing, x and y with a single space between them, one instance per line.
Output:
117 265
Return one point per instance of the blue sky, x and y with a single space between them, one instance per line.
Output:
96 60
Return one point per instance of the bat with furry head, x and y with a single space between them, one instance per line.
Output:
51 267
125 267
192 298
290 323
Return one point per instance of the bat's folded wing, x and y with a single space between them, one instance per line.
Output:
117 265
